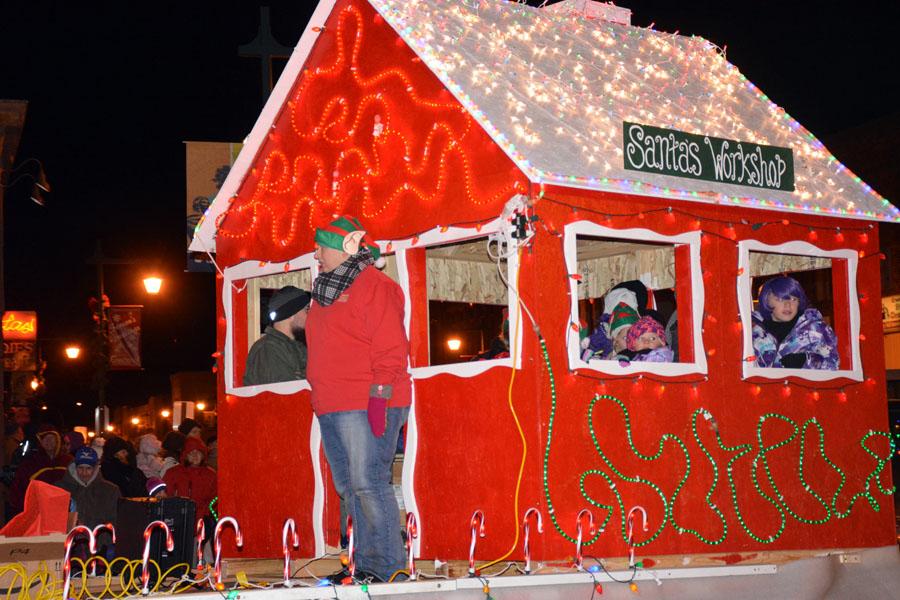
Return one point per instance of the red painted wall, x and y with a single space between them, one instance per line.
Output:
470 449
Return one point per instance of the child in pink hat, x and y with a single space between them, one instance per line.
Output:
646 341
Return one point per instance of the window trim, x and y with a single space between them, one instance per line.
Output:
745 306
234 277
610 367
437 237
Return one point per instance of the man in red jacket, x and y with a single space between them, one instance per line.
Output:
361 392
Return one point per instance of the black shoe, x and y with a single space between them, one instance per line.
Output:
340 577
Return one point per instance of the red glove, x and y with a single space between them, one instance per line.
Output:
377 415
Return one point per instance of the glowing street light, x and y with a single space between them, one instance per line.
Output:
73 351
152 284
110 427
135 421
164 413
201 406
454 344
35 384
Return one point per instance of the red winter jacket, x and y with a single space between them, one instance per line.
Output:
197 483
356 342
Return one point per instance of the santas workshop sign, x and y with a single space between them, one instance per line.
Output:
671 152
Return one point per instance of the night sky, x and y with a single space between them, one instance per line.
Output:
115 88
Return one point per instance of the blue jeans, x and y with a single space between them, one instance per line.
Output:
361 468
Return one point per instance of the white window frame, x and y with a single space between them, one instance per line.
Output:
234 277
745 304
437 237
613 367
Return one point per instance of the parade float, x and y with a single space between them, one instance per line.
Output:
521 161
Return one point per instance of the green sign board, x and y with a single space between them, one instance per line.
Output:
670 152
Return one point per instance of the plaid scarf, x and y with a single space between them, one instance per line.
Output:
329 286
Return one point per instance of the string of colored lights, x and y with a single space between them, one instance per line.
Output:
759 452
341 123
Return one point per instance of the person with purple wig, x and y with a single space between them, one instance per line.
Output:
788 333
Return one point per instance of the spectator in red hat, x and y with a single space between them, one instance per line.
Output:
193 478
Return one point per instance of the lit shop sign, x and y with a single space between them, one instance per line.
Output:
20 325
670 152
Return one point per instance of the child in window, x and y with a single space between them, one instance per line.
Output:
789 333
646 342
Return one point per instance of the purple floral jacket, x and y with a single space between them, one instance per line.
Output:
810 336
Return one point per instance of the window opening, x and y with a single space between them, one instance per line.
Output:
620 283
801 334
467 303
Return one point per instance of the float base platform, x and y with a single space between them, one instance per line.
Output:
869 573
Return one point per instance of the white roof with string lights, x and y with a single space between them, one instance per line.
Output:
554 85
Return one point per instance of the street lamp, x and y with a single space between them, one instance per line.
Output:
135 421
164 413
454 344
152 284
73 352
201 406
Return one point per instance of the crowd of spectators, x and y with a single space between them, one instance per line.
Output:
100 471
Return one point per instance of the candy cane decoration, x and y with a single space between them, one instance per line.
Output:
199 535
217 540
527 526
351 547
145 563
631 531
290 528
412 533
111 528
70 541
477 532
579 558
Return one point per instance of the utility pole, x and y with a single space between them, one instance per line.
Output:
102 357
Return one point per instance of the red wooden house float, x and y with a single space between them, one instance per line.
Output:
567 153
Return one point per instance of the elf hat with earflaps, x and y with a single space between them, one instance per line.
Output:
346 233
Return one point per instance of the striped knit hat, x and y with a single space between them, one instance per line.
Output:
622 316
337 235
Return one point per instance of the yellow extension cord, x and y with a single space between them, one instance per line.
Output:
512 378
50 588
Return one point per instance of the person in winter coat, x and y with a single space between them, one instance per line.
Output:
788 333
47 464
96 499
119 467
172 445
148 460
192 478
72 441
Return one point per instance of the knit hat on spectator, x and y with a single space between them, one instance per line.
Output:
287 302
155 485
187 426
191 444
75 439
622 316
173 443
347 234
85 456
644 325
